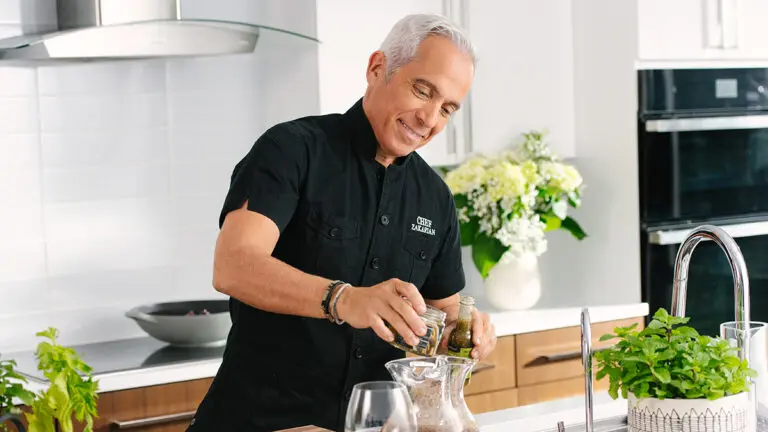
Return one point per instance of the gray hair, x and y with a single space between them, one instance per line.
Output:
402 42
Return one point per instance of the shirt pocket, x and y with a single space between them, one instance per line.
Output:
422 250
337 244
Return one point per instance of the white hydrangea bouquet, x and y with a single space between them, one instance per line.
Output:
506 203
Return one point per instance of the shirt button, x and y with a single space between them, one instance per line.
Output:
333 232
422 255
358 353
375 264
384 220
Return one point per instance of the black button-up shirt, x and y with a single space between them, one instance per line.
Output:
343 216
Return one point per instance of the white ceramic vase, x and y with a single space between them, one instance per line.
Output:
727 414
514 283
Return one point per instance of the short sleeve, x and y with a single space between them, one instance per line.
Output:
446 277
269 177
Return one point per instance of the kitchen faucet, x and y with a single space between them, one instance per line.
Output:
586 361
740 278
679 291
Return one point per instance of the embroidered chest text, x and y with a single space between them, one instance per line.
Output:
423 225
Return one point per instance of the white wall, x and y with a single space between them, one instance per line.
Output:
604 268
112 175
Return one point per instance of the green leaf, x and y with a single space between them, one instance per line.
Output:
551 222
486 252
574 199
68 395
668 359
469 231
573 227
663 375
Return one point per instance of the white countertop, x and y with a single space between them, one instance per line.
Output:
545 415
533 320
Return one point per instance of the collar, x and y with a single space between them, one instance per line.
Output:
363 140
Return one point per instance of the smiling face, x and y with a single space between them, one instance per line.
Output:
415 103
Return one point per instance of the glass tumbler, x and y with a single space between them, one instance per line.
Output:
380 406
757 332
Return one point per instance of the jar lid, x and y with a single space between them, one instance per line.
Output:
434 314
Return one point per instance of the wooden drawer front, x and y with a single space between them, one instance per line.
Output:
177 401
492 401
501 375
555 390
554 355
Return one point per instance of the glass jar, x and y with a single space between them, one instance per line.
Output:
434 319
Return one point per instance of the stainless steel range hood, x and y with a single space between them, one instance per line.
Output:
129 29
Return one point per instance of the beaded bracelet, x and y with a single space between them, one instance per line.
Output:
327 296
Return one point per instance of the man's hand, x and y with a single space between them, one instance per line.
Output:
372 306
483 335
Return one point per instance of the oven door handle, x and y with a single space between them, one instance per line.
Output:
707 123
671 237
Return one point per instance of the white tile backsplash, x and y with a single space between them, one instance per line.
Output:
17 81
206 74
19 187
22 261
198 179
199 110
28 296
72 221
18 115
118 77
105 181
19 151
21 223
113 174
195 246
122 288
99 148
116 113
129 251
197 213
212 145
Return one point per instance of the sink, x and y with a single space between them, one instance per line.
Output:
611 424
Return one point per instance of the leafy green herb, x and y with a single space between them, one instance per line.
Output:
669 360
69 393
12 387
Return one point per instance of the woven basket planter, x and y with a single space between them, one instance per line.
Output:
727 414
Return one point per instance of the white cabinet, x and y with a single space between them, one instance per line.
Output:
702 30
524 76
349 32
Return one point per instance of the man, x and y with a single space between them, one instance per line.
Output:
341 198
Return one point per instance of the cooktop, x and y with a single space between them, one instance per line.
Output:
122 355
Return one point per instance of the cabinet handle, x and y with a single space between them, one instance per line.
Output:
713 24
728 23
554 358
133 424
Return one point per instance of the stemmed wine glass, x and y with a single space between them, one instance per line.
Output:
380 406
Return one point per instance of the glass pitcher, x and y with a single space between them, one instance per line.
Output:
436 387
758 360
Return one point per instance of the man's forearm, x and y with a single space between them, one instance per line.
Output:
269 284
